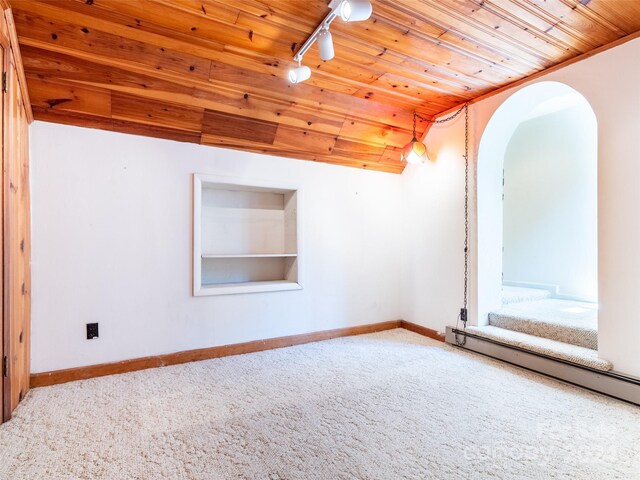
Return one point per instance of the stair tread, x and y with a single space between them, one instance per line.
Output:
561 320
564 351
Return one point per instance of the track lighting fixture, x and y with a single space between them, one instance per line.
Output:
325 44
355 10
349 11
299 74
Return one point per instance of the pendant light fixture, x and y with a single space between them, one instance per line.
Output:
414 151
348 11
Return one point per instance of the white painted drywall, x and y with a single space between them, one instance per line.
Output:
551 202
112 243
433 198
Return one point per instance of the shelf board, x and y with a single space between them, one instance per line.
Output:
248 287
250 255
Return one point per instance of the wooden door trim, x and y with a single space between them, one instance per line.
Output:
4 307
17 58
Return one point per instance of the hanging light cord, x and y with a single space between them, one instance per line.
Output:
416 115
463 315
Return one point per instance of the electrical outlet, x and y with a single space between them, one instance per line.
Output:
92 330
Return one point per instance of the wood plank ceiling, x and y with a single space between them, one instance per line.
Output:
214 71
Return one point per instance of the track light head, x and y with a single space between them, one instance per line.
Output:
299 74
355 10
325 44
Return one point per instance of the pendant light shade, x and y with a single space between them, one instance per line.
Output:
355 10
325 44
414 152
299 74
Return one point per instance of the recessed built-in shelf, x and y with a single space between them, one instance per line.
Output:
245 237
249 287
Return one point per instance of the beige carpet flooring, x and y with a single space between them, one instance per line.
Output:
385 406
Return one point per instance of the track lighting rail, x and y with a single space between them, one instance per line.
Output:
349 11
331 16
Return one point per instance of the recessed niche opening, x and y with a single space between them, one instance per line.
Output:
245 238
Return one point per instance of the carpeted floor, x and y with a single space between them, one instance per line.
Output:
392 405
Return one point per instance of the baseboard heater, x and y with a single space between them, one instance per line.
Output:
609 383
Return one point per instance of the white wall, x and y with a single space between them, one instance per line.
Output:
609 81
433 239
112 243
551 202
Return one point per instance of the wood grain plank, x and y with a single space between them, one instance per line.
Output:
583 38
114 125
17 55
290 138
622 19
161 114
244 102
374 133
238 127
17 261
94 42
228 88
359 151
5 324
71 98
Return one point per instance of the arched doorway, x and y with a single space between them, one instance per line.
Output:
524 261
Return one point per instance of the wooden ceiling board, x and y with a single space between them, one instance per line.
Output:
329 106
214 72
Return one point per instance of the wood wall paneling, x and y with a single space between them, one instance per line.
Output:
5 347
17 238
16 233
